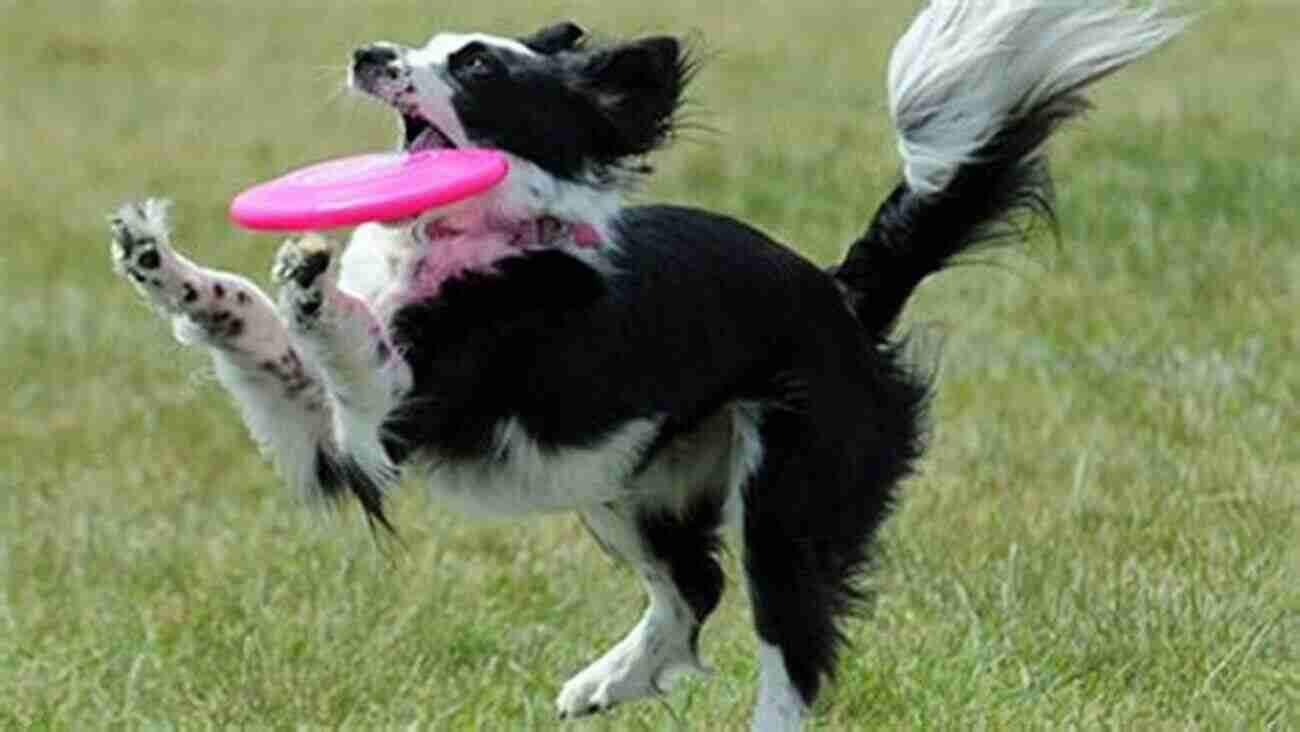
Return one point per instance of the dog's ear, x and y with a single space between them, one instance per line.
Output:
638 87
555 38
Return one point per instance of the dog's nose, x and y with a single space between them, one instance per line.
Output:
373 56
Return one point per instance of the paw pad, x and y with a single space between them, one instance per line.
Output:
310 268
302 261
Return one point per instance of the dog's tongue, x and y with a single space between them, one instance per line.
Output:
431 138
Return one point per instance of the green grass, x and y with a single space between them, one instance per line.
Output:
1104 534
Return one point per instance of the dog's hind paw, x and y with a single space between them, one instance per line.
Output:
303 269
643 665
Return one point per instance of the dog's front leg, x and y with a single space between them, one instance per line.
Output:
365 378
281 397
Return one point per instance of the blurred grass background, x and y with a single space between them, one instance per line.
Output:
1104 534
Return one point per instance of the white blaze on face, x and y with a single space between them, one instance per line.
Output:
433 92
443 45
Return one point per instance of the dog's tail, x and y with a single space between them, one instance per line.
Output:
975 89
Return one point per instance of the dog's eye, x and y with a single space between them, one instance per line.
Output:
475 60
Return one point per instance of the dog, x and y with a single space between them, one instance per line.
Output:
662 371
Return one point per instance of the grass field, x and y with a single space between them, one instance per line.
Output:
1104 534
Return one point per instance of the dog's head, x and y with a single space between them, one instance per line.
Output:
583 113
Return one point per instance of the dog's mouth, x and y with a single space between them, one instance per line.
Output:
419 134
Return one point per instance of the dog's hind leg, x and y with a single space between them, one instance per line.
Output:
282 400
809 513
674 552
365 378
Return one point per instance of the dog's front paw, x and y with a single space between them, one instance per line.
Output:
203 306
139 240
142 254
303 269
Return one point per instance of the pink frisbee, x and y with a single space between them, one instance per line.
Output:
373 187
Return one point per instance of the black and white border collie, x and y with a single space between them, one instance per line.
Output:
661 371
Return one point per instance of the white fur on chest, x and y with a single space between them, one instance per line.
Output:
374 258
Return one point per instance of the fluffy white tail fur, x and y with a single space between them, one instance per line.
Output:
967 67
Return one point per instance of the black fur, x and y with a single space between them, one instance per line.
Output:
337 476
574 355
577 112
564 36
